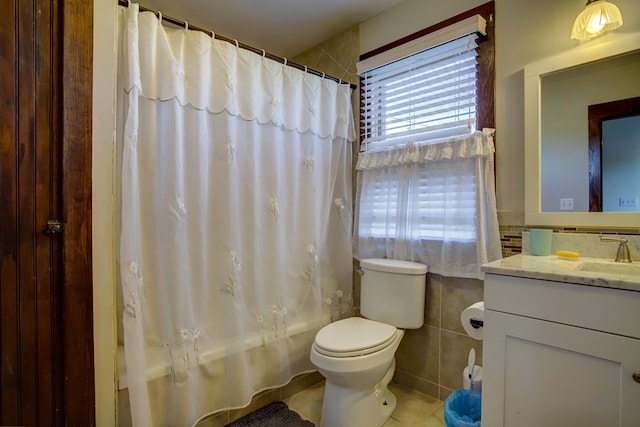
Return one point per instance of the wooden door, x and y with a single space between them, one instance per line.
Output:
46 352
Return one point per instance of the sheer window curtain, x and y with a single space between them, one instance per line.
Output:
235 224
433 204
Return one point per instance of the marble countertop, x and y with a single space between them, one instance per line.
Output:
558 269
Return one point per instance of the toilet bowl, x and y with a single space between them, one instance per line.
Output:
357 355
357 374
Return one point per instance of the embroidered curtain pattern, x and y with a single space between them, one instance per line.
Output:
234 216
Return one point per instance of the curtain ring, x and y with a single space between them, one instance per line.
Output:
159 17
237 44
305 68
186 26
213 35
264 54
128 3
285 61
323 75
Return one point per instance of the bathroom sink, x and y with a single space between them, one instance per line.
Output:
610 267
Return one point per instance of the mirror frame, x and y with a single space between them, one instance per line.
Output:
533 73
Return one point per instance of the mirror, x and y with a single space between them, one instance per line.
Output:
558 93
567 97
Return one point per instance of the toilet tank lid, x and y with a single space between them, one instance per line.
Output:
393 266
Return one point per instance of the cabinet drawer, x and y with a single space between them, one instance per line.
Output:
601 309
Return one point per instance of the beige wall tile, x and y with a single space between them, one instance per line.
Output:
418 353
344 47
124 409
455 351
433 300
458 294
445 392
414 383
336 57
328 65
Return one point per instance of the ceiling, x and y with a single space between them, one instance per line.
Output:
281 27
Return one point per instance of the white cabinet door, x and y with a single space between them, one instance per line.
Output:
540 373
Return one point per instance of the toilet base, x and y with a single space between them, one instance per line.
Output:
348 407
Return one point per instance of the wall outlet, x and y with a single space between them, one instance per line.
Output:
628 202
566 204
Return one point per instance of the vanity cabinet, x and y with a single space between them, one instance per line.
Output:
559 354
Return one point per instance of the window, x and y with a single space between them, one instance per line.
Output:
421 98
426 187
416 207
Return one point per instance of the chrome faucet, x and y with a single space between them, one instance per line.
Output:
623 254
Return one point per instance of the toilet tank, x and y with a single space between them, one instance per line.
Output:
393 292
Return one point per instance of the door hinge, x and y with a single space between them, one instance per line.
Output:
54 227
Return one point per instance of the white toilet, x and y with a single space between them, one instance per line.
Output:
356 355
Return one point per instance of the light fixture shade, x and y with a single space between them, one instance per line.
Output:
596 18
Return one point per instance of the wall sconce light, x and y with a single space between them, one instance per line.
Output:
596 18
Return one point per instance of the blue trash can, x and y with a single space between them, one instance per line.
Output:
462 408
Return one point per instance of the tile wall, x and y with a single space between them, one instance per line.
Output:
337 57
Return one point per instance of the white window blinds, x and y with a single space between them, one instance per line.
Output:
421 98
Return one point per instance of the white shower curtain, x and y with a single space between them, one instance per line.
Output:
235 219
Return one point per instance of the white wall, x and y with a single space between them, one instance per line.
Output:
103 233
526 31
407 18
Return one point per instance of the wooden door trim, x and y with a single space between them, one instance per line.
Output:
597 113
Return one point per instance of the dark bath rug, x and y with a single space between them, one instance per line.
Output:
276 414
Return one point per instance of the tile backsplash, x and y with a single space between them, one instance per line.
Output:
588 244
513 233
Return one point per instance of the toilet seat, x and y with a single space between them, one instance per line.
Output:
354 336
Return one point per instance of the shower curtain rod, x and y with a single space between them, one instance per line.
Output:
273 57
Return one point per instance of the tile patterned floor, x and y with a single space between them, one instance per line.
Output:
414 408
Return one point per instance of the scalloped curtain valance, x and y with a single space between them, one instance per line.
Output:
215 75
478 144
